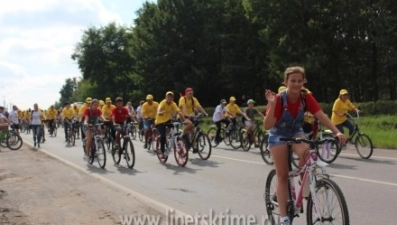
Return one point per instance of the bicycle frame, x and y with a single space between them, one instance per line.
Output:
171 137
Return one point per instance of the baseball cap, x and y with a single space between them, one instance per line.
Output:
250 101
88 100
149 97
281 89
343 92
232 99
108 100
223 101
189 89
101 102
169 93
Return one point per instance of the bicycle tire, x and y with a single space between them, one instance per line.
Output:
327 185
92 155
129 153
364 146
54 132
14 141
132 132
101 154
330 152
202 142
141 135
234 138
211 133
180 153
294 159
265 153
245 140
270 189
158 152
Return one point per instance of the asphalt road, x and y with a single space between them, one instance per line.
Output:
233 181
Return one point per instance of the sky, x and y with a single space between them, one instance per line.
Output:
37 39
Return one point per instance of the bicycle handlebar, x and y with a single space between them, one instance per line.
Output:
304 140
352 117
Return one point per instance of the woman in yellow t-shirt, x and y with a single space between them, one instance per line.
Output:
342 105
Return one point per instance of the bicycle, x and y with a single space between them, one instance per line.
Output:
71 131
200 140
108 138
132 130
152 139
97 146
211 133
234 133
53 129
254 137
125 148
315 182
174 142
9 138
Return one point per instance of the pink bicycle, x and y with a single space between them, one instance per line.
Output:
326 202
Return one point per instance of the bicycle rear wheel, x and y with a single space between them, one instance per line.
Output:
363 145
234 138
158 151
141 135
129 153
211 133
116 155
203 146
245 140
14 141
328 151
265 153
180 153
101 154
272 208
331 204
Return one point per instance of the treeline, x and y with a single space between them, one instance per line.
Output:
241 47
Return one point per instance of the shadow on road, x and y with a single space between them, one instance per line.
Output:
342 166
94 169
204 163
126 170
178 169
371 160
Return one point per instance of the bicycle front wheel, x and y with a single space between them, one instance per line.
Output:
129 153
14 141
234 138
272 208
211 135
265 153
364 146
204 147
101 154
180 153
245 140
331 205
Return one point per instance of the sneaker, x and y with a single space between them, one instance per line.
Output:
38 145
145 145
116 146
287 222
35 144
195 151
214 142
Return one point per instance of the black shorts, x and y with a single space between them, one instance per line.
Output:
15 126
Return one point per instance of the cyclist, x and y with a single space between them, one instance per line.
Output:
107 112
51 116
341 106
139 115
91 115
68 114
4 122
235 110
82 109
14 119
166 111
28 118
76 116
251 112
43 124
189 105
149 111
219 117
119 115
36 121
285 120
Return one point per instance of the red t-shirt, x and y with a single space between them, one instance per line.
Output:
120 115
94 112
311 105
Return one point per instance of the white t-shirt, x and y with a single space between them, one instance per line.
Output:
139 112
130 110
2 116
36 120
219 113
14 117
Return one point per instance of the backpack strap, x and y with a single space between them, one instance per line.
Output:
284 103
192 103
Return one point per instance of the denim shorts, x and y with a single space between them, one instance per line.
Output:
274 138
147 124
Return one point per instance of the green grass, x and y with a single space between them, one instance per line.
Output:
381 129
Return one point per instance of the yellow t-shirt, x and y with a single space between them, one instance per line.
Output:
233 109
51 114
189 106
20 114
27 116
76 109
149 111
168 109
82 110
107 111
341 107
68 113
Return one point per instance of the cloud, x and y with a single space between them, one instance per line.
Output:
37 41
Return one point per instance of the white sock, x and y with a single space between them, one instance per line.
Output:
285 218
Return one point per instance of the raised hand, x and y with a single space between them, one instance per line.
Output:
270 96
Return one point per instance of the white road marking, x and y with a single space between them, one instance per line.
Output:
365 180
238 160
